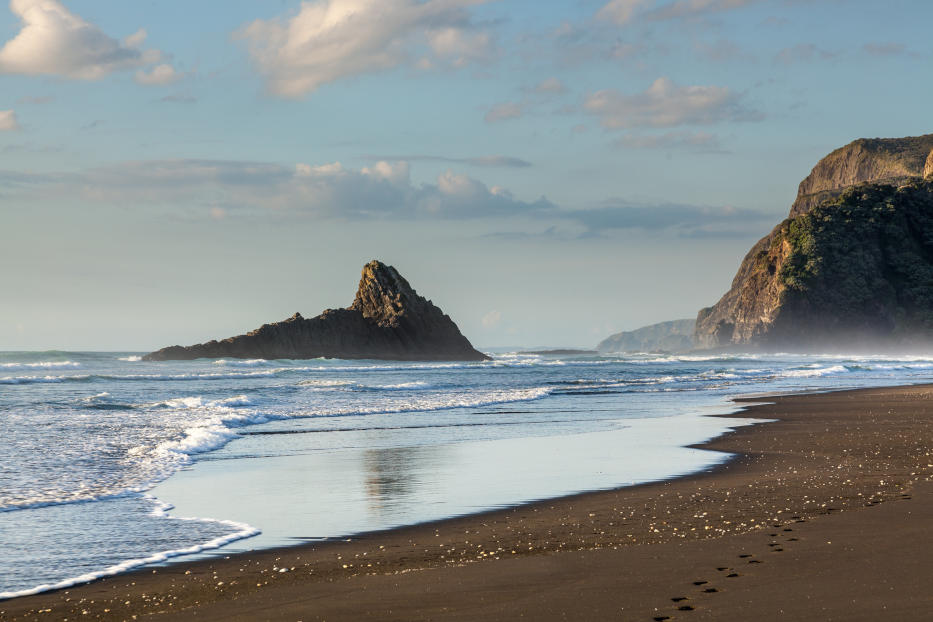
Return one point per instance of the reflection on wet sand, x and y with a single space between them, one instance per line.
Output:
395 475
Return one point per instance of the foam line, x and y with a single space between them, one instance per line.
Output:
161 511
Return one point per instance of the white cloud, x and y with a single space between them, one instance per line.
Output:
160 75
621 11
8 121
332 39
396 173
460 46
491 319
486 161
55 41
505 111
692 8
665 104
136 39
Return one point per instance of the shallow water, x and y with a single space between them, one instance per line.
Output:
96 444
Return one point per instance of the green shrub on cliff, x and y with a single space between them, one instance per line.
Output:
862 260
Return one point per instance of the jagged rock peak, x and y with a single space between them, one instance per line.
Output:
866 160
384 295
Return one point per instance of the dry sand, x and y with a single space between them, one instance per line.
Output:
825 513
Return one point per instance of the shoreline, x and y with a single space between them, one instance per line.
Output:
589 527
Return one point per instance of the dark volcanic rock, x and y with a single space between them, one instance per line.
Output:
852 273
387 320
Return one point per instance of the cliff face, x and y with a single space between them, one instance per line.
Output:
851 264
854 271
387 320
891 160
673 336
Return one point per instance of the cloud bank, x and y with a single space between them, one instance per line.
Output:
683 220
383 190
223 190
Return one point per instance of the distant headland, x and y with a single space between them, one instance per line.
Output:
387 320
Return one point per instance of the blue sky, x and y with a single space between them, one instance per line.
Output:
548 173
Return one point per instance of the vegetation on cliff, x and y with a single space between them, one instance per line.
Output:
857 269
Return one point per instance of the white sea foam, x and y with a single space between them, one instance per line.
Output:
401 386
220 419
131 359
40 379
41 365
242 362
161 510
233 375
100 398
814 372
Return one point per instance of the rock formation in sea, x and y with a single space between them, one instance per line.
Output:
852 265
387 320
672 336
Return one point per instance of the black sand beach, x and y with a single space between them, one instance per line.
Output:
825 513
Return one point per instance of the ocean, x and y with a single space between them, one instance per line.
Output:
111 463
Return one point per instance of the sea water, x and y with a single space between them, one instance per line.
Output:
111 463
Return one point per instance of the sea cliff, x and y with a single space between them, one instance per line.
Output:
852 265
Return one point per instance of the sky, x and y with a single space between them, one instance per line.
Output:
547 173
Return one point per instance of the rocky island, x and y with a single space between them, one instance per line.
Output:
387 320
852 265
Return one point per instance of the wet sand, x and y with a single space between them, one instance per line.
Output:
825 513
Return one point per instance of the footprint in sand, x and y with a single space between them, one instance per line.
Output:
700 582
677 599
